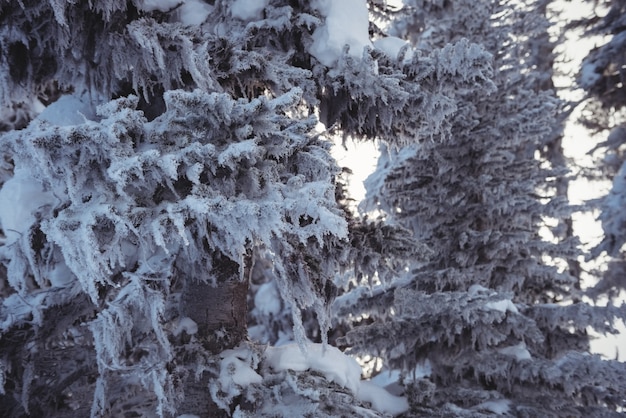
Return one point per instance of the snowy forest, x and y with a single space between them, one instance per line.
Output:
178 238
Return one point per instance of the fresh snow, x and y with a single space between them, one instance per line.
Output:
346 23
330 361
235 367
187 325
237 370
381 400
69 110
336 367
21 197
194 12
391 46
248 9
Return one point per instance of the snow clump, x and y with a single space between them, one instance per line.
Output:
336 367
502 306
346 23
248 9
21 197
392 46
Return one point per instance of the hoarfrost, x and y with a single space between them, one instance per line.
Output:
15 308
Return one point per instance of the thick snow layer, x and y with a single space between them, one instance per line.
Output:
336 367
330 361
21 197
502 306
381 400
346 23
248 9
68 110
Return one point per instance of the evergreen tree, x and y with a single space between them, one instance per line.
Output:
180 153
495 314
177 174
602 76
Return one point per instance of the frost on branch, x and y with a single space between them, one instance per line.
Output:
477 195
366 97
137 204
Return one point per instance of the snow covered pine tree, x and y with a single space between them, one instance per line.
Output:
176 149
181 158
602 75
494 322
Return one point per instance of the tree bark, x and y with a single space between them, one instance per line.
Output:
220 311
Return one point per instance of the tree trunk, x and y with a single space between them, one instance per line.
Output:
220 311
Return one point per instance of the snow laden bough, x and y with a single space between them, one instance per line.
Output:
321 381
137 211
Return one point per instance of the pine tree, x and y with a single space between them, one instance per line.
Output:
495 314
177 150
602 75
177 173
130 276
